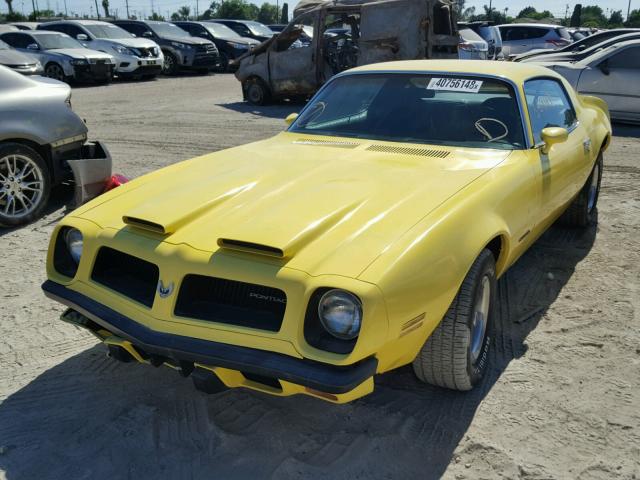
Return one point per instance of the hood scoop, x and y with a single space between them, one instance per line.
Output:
325 143
144 224
250 247
423 152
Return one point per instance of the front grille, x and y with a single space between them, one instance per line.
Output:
131 276
207 48
148 52
231 302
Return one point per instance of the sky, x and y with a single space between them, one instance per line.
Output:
164 7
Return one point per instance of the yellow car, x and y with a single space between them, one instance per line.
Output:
367 236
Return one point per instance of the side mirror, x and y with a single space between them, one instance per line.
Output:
33 46
82 37
290 118
551 136
148 34
604 67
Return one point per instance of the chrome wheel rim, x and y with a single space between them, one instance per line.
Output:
21 186
593 188
168 64
480 318
55 72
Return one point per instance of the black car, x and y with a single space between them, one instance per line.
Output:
181 50
230 45
248 28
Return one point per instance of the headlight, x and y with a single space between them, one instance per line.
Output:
123 50
239 46
78 61
183 46
340 313
74 241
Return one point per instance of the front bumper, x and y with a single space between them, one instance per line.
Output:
199 59
230 363
130 65
93 72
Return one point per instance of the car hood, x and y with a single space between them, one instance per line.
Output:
188 40
79 53
321 204
13 57
132 42
242 40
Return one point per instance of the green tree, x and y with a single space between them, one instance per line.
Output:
157 17
527 12
616 20
240 9
183 12
105 6
284 18
268 14
576 16
634 19
593 16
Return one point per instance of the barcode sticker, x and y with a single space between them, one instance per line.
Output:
455 84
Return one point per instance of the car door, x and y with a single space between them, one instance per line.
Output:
616 79
561 168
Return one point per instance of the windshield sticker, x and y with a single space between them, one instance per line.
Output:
455 85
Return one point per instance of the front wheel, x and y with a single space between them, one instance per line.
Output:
55 71
456 354
24 184
170 65
256 92
582 211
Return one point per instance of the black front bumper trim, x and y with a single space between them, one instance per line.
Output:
319 376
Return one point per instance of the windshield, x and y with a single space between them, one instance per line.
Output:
258 28
107 31
434 109
168 30
3 46
219 30
51 41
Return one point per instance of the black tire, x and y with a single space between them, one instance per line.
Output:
450 358
55 71
256 91
170 65
29 191
583 210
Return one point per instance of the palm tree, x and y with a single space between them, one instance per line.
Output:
10 5
105 5
184 12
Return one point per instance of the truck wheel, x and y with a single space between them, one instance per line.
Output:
55 71
170 65
582 210
256 92
455 356
24 184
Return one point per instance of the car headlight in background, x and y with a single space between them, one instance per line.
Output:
182 46
340 313
73 239
239 46
121 49
78 61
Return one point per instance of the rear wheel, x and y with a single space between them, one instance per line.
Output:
55 71
582 211
170 65
256 91
455 356
24 184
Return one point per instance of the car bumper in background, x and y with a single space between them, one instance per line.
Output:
94 72
139 66
33 69
235 366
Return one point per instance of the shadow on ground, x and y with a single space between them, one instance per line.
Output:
278 110
91 417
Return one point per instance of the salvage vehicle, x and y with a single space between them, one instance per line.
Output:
135 57
43 143
350 33
612 74
18 61
367 236
181 51
230 45
64 58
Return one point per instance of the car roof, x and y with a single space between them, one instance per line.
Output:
77 22
543 25
41 32
515 71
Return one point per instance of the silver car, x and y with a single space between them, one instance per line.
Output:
42 144
521 37
472 46
612 74
64 59
19 62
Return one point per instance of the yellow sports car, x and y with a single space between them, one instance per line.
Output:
367 236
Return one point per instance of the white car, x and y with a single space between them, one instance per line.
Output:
135 57
612 74
472 46
521 37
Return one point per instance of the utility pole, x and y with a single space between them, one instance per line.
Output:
97 9
66 13
33 4
566 13
197 10
628 10
127 4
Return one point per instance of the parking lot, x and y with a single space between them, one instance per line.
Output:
560 400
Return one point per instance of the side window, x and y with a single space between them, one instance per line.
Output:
137 29
197 31
533 32
54 28
515 34
73 31
628 59
548 106
241 29
18 40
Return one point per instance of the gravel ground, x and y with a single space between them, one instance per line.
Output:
561 399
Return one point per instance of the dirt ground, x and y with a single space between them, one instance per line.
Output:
561 399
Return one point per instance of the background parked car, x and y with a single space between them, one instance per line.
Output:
42 144
135 57
8 28
612 74
64 58
230 45
580 45
26 25
18 61
180 49
522 37
307 32
583 54
472 46
490 34
248 28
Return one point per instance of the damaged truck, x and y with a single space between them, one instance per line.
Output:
346 34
